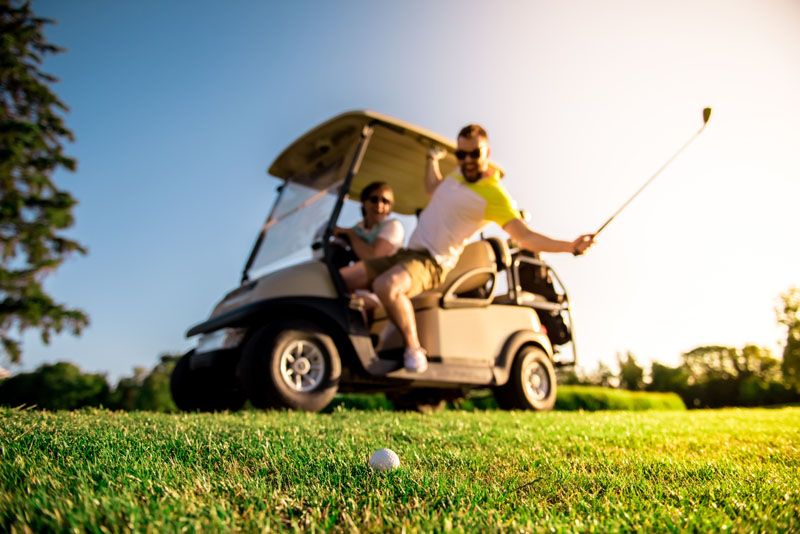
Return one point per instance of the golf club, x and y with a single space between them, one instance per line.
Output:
706 116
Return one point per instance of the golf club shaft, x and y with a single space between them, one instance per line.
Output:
664 166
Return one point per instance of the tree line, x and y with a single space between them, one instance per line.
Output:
715 376
63 386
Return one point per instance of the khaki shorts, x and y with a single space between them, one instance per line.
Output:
425 273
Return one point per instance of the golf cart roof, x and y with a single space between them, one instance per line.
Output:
395 155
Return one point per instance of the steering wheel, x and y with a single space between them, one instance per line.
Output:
342 253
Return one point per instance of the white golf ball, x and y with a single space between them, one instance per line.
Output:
384 459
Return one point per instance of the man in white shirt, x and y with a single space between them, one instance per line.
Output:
461 205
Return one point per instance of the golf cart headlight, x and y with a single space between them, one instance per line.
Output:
225 338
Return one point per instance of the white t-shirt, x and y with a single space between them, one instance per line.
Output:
458 210
390 229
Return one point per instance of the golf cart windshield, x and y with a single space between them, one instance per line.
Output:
297 221
296 229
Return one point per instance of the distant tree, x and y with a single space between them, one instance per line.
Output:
33 210
126 394
60 386
602 376
789 316
729 376
631 375
665 378
155 395
146 390
711 363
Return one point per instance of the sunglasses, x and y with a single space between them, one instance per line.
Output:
375 199
474 154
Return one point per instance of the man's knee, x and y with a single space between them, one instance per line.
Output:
391 284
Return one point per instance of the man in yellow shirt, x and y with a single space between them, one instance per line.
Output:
461 205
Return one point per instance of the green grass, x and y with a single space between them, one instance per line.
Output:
737 470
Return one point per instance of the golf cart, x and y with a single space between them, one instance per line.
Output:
291 336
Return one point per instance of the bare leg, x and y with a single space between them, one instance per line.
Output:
354 276
392 288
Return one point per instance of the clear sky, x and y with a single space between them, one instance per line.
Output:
179 107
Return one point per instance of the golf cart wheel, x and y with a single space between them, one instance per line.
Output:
208 389
294 365
531 384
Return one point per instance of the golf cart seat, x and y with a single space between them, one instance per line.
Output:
470 283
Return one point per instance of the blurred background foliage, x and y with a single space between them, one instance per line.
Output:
63 386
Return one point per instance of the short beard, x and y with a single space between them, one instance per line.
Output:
473 179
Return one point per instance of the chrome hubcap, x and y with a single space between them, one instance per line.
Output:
536 380
302 366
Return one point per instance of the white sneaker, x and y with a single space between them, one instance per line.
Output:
415 360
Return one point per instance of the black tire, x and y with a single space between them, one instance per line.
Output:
207 389
531 384
293 365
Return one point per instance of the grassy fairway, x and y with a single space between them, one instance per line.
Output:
707 470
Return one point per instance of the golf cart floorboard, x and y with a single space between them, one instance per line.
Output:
440 372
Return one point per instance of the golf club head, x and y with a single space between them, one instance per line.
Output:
706 117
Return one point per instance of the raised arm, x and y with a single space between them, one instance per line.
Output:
536 242
433 175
